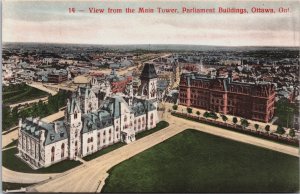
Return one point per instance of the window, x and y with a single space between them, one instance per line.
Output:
75 115
52 153
91 139
62 150
87 149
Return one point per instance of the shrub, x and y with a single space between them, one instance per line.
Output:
234 120
175 107
189 110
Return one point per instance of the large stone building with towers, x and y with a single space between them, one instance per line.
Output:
94 118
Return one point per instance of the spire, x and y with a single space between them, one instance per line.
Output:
148 71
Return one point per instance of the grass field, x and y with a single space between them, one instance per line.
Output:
13 186
21 94
104 151
12 162
159 126
193 161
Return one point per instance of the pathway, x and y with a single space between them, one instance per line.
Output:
43 99
41 87
89 177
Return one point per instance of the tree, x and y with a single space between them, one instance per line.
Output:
206 114
175 107
267 128
256 126
292 133
244 123
198 112
234 120
224 118
280 130
189 110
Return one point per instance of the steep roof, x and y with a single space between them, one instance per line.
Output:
33 128
148 71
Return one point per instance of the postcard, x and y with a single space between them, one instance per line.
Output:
160 96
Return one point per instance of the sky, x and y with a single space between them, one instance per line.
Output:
50 22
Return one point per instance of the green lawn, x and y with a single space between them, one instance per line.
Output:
13 186
22 93
104 151
13 143
159 126
193 161
12 162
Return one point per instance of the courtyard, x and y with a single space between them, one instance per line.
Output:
193 161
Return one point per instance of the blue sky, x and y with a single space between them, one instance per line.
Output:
49 21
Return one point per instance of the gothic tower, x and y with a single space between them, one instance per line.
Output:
149 83
74 125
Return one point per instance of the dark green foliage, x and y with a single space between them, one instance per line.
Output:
159 126
285 111
234 120
13 186
244 123
21 92
40 109
224 118
175 107
256 126
12 162
193 161
189 110
211 115
267 128
198 113
292 133
280 130
104 151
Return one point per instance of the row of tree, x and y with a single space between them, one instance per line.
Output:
41 109
244 122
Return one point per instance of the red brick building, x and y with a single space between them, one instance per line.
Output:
118 83
249 100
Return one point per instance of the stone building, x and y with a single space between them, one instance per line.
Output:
90 124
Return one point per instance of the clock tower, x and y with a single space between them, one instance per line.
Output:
149 83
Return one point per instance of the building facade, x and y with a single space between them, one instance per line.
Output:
254 101
89 124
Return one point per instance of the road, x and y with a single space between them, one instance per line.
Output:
40 86
89 177
29 102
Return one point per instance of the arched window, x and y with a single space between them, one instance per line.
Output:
52 153
75 115
62 150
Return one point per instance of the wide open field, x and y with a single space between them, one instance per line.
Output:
193 161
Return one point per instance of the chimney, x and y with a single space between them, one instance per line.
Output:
56 127
42 136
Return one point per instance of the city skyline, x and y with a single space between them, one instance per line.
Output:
31 21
